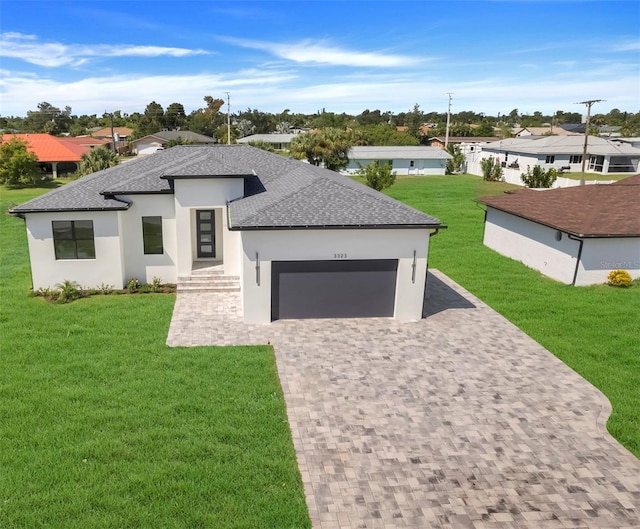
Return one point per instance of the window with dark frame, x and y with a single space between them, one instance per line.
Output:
73 239
152 235
550 158
575 158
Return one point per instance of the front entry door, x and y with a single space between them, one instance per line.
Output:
206 233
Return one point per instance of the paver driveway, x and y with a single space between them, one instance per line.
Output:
458 420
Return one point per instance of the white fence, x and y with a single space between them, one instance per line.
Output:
513 176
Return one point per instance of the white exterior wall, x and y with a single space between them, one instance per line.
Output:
47 271
402 167
531 243
206 193
324 245
600 256
137 264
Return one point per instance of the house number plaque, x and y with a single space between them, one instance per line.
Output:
339 255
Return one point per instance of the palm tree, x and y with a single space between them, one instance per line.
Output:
96 160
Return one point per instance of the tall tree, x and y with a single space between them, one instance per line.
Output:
48 119
95 160
18 166
414 121
152 121
175 116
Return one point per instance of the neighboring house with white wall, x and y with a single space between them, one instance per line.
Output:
559 152
404 160
575 235
302 241
278 141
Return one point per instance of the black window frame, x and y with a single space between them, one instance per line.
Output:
575 158
550 158
152 242
71 239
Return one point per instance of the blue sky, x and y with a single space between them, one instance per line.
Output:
343 56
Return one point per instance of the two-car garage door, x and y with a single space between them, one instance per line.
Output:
333 289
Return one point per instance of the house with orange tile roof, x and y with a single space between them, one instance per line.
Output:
57 156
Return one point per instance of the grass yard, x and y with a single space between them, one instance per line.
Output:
595 176
595 330
104 426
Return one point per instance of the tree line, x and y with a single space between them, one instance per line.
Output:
211 120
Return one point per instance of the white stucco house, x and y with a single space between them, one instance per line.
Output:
404 160
605 156
301 241
575 235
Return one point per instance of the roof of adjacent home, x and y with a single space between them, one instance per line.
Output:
398 153
270 138
605 210
562 145
280 192
168 135
50 148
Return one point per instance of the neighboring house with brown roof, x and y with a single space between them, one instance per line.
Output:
575 235
120 136
56 156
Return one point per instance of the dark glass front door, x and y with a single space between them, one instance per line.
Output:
206 233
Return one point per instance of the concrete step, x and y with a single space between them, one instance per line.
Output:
210 281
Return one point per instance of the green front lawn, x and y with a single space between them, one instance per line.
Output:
592 329
104 426
596 176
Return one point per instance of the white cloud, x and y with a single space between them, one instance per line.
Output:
311 52
54 54
631 45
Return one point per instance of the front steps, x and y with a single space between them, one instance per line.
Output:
208 279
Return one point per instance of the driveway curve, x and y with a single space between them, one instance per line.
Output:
459 420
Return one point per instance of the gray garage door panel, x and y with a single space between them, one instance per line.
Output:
333 289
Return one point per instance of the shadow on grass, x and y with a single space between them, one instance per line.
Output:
439 297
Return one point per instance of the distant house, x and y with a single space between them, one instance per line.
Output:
404 160
561 152
546 131
121 136
158 141
278 141
57 156
575 235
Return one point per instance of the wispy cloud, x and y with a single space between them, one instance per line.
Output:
630 45
319 52
54 54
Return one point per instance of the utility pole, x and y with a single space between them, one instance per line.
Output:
589 103
446 136
228 118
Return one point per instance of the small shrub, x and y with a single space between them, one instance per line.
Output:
68 291
491 169
538 178
156 284
106 289
619 278
145 288
133 285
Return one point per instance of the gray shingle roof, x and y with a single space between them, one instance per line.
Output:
398 153
562 145
279 192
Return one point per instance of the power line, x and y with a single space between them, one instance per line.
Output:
446 134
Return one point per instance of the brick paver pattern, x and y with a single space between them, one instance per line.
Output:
459 420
